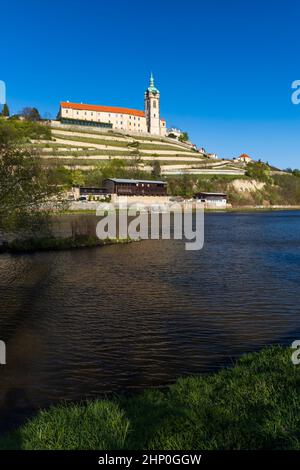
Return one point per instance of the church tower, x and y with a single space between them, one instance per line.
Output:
152 110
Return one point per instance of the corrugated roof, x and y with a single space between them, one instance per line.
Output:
103 109
121 180
211 194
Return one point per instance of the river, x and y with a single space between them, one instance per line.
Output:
85 322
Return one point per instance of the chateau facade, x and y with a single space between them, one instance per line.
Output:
125 119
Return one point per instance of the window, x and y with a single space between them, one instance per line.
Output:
154 103
67 111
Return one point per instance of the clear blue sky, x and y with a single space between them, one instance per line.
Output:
224 68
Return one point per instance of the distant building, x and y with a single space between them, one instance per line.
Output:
245 158
174 132
86 193
131 187
126 119
213 200
214 156
91 191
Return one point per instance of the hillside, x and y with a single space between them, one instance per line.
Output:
86 148
80 156
277 190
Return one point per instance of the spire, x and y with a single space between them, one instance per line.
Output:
151 80
152 88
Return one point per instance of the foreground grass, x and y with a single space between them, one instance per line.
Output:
254 405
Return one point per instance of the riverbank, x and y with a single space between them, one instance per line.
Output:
229 208
263 208
253 405
57 243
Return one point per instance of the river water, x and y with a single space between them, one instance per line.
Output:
80 323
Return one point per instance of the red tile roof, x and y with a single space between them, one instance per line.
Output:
244 155
103 109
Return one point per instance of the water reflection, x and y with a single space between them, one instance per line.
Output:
79 323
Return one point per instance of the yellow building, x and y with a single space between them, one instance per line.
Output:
125 119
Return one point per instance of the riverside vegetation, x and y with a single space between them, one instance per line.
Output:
31 190
253 405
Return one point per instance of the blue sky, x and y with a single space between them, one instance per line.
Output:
224 68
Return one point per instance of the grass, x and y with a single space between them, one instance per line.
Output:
253 405
108 152
118 143
114 133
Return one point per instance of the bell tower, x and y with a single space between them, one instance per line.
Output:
152 108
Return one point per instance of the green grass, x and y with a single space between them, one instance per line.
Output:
254 405
114 133
118 143
109 152
51 145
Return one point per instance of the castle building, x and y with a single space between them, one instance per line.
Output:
124 119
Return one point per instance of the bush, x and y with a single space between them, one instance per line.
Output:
22 131
259 171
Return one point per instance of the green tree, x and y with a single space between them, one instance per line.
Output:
184 137
13 130
156 169
5 110
115 168
77 178
31 114
259 171
28 192
134 165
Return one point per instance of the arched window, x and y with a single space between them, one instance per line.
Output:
154 103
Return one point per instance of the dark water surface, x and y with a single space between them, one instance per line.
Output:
82 322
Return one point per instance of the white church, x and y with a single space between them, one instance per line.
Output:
111 117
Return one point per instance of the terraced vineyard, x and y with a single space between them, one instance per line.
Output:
87 148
